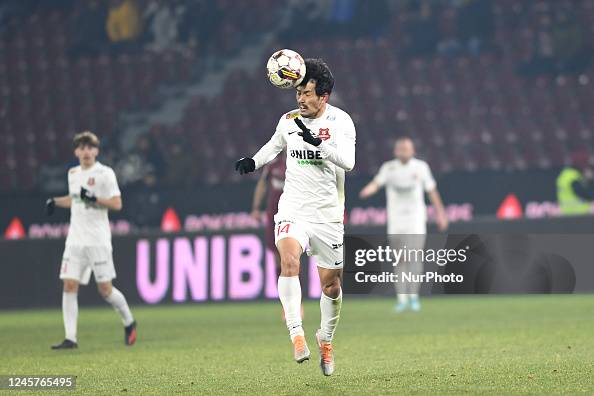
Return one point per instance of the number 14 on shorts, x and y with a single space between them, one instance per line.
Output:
282 227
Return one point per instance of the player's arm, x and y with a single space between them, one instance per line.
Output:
441 217
113 203
259 194
440 214
343 155
370 189
376 184
267 153
61 202
430 187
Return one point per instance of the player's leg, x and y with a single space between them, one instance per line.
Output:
289 292
104 271
270 244
402 287
69 314
290 242
117 300
326 245
73 271
330 304
396 242
416 242
330 301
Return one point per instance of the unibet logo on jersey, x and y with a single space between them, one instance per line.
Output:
305 157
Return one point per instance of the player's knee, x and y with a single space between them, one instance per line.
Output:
331 288
289 264
70 286
104 289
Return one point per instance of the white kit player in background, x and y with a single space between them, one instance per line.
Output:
92 191
405 179
320 145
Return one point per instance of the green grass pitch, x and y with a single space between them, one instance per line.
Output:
456 345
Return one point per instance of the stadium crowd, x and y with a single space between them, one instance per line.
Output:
478 84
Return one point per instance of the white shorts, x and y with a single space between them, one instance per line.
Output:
321 240
79 261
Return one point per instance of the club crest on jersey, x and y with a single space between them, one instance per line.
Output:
91 181
324 133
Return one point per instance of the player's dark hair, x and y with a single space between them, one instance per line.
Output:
85 138
402 138
318 70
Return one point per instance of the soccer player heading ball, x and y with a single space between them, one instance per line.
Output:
320 143
92 191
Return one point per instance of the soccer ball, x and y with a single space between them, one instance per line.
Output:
286 69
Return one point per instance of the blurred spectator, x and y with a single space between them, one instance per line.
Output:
89 36
180 166
341 16
571 56
51 177
371 17
123 21
200 20
421 30
162 24
476 25
311 18
184 13
144 210
542 60
144 167
189 21
559 45
575 185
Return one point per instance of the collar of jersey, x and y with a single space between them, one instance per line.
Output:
91 168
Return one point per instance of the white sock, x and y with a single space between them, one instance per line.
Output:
289 292
330 313
414 297
402 298
70 314
118 302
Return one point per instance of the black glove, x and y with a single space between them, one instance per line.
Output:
50 206
86 195
306 134
245 165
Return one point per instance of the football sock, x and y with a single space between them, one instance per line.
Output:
330 313
289 292
118 302
70 314
402 298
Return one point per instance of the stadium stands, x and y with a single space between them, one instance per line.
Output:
465 112
482 108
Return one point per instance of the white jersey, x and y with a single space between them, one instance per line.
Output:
405 200
314 182
89 223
